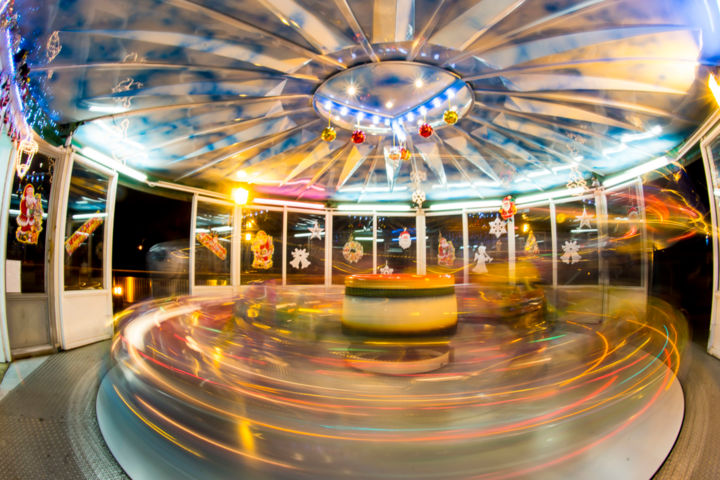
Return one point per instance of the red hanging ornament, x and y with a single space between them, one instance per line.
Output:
425 130
394 153
358 136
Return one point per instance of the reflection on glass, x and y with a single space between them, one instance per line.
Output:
85 229
396 245
27 224
213 244
444 240
261 251
305 249
533 244
352 246
623 254
577 242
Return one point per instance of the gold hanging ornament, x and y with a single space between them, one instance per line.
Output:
450 116
328 134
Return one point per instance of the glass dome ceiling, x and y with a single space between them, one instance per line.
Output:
210 93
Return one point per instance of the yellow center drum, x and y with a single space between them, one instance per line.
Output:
401 304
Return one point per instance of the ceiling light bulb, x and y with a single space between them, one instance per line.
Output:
419 83
328 105
241 174
351 90
375 119
344 111
389 104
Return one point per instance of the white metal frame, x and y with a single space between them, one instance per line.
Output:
711 174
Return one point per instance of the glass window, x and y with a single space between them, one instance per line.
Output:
213 244
352 246
305 249
29 206
85 229
397 244
623 254
444 243
261 251
577 242
533 244
488 251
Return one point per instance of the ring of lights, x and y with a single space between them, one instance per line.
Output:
391 97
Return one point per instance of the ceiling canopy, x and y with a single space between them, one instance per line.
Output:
214 92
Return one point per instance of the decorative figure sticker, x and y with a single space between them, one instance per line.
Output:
386 270
584 219
481 257
300 258
508 208
446 252
571 253
30 218
315 232
82 234
263 249
404 239
212 243
352 251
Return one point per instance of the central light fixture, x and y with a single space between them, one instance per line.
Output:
385 107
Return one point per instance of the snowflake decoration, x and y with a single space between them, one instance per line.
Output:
418 197
315 231
386 270
417 176
497 227
571 252
575 180
300 258
584 219
53 48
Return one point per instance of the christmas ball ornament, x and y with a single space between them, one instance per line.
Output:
394 153
450 117
404 154
328 134
425 130
358 136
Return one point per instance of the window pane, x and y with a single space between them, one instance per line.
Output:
85 229
624 252
533 244
261 257
352 246
488 251
444 241
577 243
305 249
29 207
397 244
213 244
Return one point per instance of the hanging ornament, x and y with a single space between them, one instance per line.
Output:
30 218
425 130
497 227
404 239
358 136
300 259
29 148
481 257
446 252
571 253
352 251
576 182
328 134
263 249
394 153
404 154
531 245
450 116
